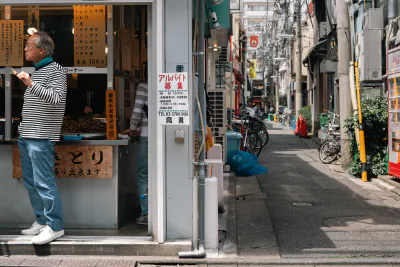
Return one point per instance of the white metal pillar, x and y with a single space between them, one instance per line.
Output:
157 216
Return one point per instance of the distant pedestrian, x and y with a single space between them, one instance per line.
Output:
42 117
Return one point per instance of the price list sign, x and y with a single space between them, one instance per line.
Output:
173 98
11 42
90 36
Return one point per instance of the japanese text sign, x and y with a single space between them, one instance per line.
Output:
173 98
126 49
90 36
111 114
76 162
11 42
394 61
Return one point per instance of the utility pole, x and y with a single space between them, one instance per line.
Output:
230 85
299 93
277 88
343 33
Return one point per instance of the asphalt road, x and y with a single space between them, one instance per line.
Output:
317 212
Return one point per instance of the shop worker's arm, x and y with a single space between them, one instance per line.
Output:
137 111
54 91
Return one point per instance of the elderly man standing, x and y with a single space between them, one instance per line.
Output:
42 117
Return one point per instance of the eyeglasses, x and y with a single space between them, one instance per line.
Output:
28 46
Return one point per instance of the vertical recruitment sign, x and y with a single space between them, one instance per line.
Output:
173 98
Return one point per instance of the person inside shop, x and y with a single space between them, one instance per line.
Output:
139 126
42 117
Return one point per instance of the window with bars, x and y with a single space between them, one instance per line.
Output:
257 8
331 91
220 70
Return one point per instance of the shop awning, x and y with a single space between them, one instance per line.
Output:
318 47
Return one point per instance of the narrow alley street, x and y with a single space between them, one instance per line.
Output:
317 212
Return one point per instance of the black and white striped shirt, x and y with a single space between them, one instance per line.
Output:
139 117
44 103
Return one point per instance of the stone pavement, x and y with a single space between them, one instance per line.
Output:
300 213
321 213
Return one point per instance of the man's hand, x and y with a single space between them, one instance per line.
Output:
128 132
88 110
131 133
25 78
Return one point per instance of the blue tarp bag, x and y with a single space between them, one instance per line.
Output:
237 158
251 169
244 163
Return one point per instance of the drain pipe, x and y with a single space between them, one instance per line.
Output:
392 14
200 252
392 10
203 168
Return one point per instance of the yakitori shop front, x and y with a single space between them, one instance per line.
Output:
103 47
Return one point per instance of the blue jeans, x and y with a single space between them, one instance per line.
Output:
142 174
37 159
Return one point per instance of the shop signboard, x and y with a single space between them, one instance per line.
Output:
394 112
254 41
90 36
12 43
394 61
253 66
173 98
136 51
111 115
76 162
126 49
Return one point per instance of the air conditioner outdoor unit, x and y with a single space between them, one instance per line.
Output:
370 55
373 18
217 101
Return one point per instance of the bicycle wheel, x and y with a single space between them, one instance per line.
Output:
261 129
327 153
263 135
253 144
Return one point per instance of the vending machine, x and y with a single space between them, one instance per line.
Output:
393 67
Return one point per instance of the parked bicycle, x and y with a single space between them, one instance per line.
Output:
255 135
329 150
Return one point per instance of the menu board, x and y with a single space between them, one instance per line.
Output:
111 113
76 162
11 43
90 36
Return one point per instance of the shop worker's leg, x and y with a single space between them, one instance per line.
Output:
43 172
27 177
142 174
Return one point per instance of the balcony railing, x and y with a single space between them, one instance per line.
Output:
256 14
258 1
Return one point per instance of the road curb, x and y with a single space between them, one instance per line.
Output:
275 262
151 260
385 185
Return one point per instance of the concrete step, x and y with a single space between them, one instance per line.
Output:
89 245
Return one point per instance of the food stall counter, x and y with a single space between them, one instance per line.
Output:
119 142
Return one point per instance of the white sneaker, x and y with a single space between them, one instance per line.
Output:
34 230
46 236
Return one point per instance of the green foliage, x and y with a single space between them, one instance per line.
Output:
375 119
306 113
